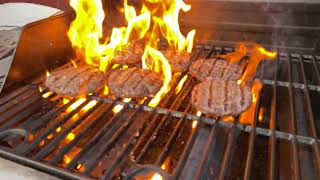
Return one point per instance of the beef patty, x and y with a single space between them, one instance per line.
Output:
179 61
129 55
134 83
72 82
221 98
211 69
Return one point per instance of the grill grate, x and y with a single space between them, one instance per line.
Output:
100 144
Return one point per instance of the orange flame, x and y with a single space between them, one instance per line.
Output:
181 83
48 73
236 56
86 33
194 123
119 107
258 54
247 117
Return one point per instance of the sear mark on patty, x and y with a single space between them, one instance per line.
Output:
211 69
134 83
73 82
221 98
129 55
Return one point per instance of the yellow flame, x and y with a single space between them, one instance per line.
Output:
58 129
258 54
48 73
76 104
194 123
74 64
47 94
89 105
106 90
157 58
179 86
70 136
156 177
119 107
86 31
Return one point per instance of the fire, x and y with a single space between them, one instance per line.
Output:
158 58
261 113
195 122
89 105
164 166
179 86
48 73
236 56
74 63
154 19
258 54
45 95
119 107
247 117
76 104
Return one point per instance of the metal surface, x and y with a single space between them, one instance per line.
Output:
143 140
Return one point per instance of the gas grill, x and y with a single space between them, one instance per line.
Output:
38 129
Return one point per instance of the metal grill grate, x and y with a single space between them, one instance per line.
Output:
284 144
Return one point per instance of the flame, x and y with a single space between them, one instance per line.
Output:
90 105
74 63
261 113
247 117
236 56
258 54
106 90
227 118
154 19
47 73
195 122
76 104
86 31
165 165
119 107
47 94
179 86
70 136
157 58
58 129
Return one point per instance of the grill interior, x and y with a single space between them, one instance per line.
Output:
35 131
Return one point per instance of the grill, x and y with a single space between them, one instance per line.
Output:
39 130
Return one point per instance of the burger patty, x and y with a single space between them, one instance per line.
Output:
179 61
74 82
221 98
131 54
211 69
134 83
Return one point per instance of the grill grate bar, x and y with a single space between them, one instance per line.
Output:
14 94
177 130
174 105
17 102
105 143
21 107
52 144
228 152
316 69
273 121
35 123
294 85
96 137
70 145
310 116
44 135
129 148
293 128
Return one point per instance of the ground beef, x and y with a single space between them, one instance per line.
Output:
221 98
211 69
129 55
134 83
72 82
179 61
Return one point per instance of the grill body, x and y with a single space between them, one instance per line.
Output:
281 144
